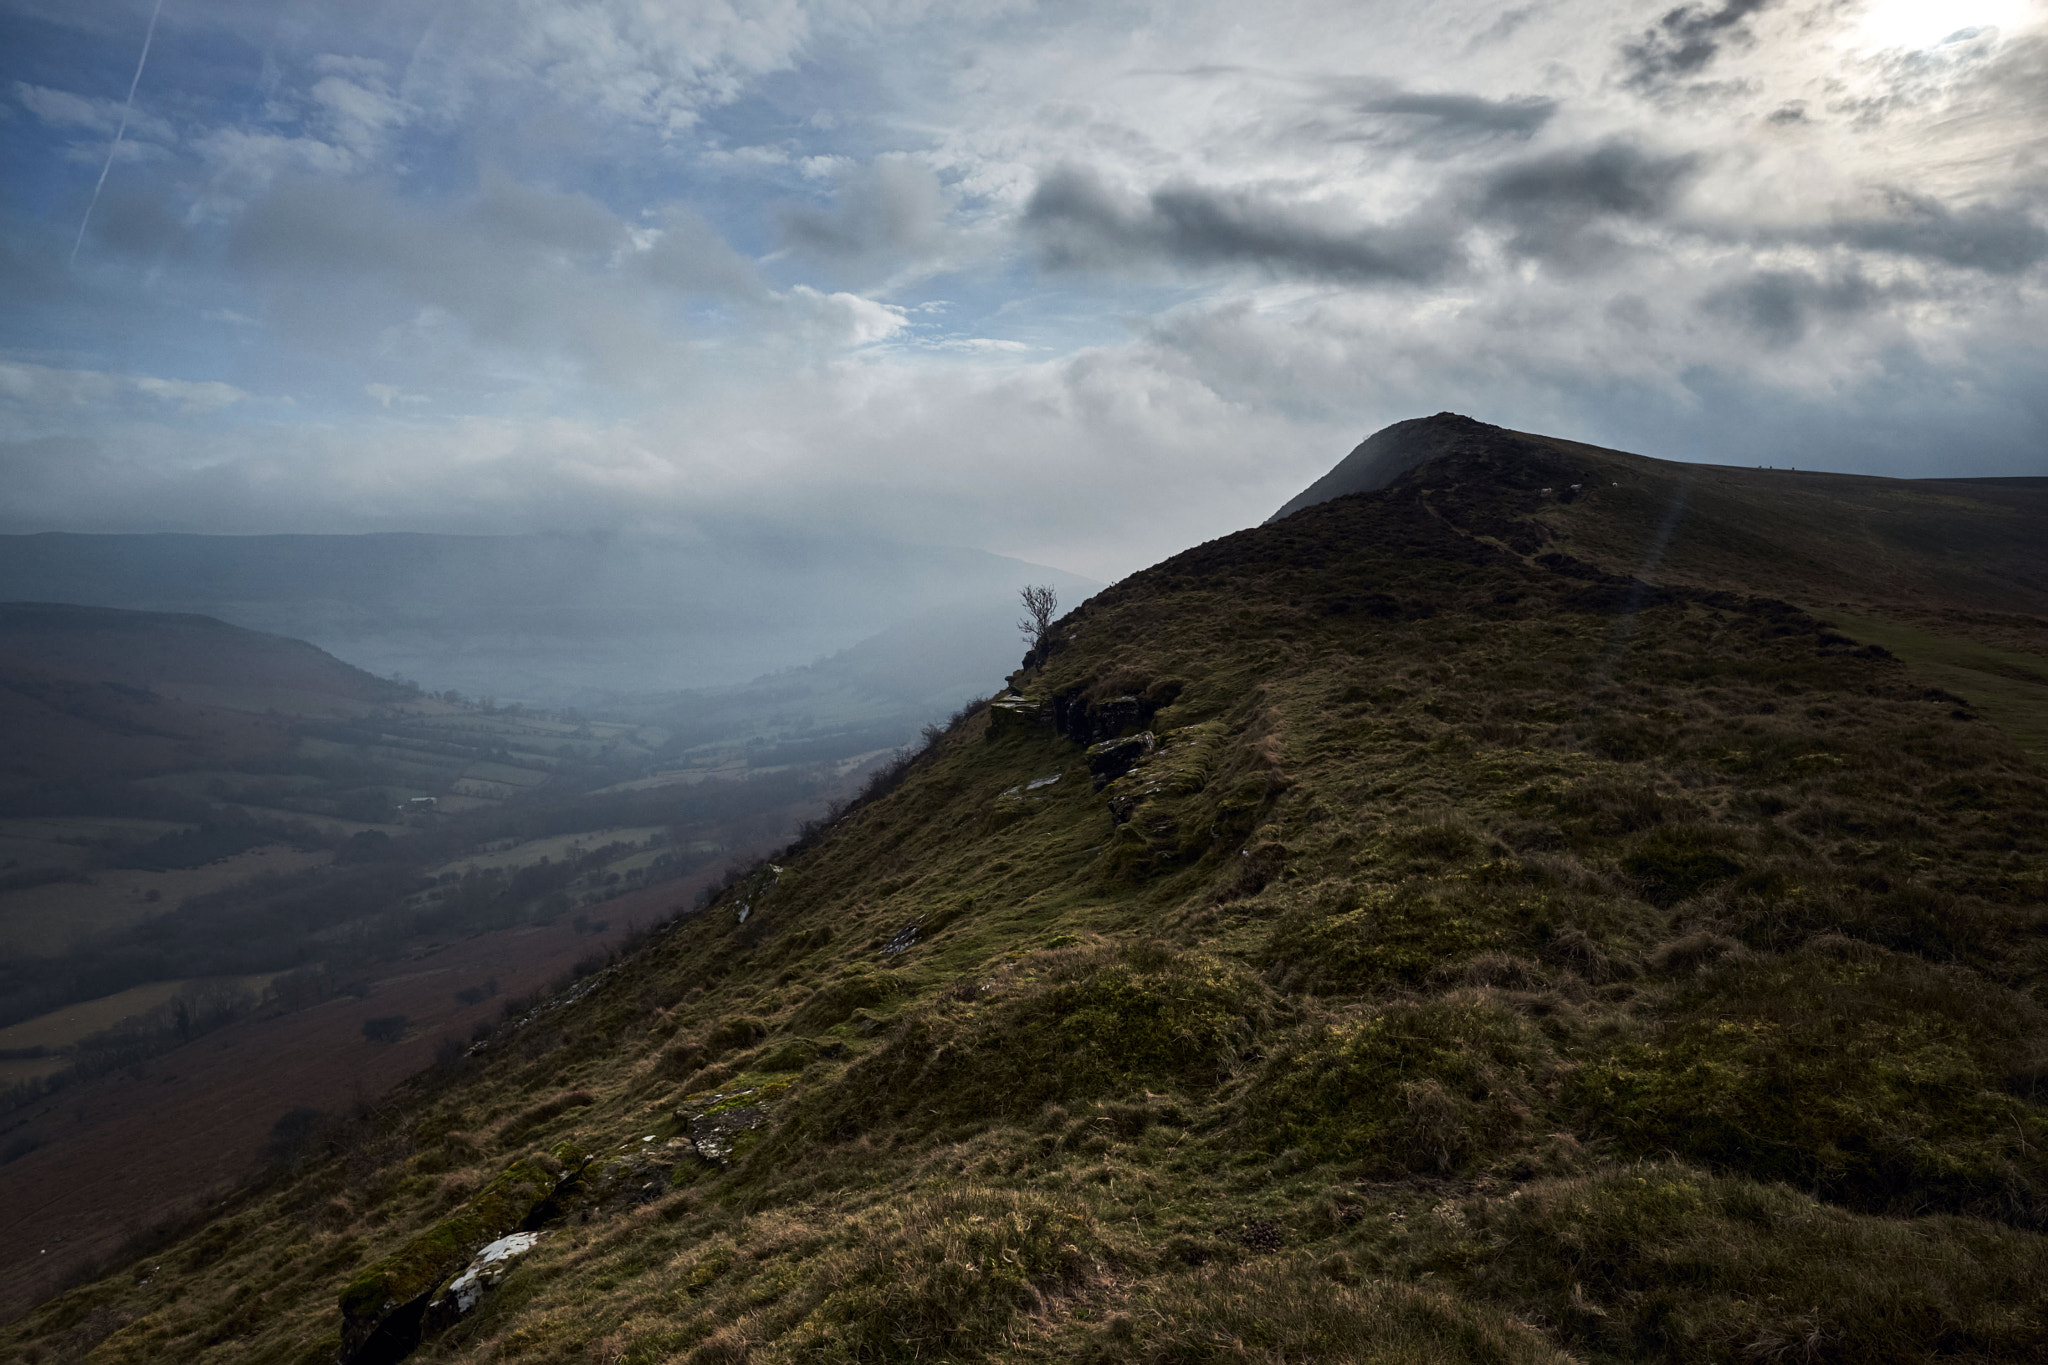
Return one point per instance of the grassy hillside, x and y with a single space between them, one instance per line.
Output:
1397 933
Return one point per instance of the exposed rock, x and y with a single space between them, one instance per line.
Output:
481 1275
1086 722
1035 784
715 1134
1112 758
383 1308
1014 713
716 1129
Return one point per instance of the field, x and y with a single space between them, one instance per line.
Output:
59 1030
203 1112
44 921
554 848
2009 686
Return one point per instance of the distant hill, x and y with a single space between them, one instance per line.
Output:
875 694
96 692
554 619
189 657
1500 917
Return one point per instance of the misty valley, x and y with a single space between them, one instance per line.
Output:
205 827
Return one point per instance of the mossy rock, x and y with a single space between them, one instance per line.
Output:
393 1285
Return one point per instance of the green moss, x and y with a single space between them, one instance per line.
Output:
441 1250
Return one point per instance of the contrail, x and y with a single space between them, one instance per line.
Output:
116 145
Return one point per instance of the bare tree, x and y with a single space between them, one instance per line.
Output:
1040 604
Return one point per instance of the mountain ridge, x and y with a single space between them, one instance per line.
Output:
1458 922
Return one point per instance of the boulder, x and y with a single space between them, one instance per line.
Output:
1014 713
1112 758
383 1309
462 1293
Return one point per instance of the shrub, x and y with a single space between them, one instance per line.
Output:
1085 1023
1278 1311
1431 1087
1385 936
385 1028
839 1000
1662 1263
942 1275
1675 863
1868 1076
736 1031
292 1137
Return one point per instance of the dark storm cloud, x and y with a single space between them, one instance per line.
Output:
1780 306
1444 115
1553 204
1079 222
1554 208
1685 40
1996 239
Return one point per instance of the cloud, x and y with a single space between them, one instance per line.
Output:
1685 40
359 113
141 222
1779 306
41 387
1441 116
1997 239
514 264
686 254
387 394
1555 204
841 320
887 211
62 109
649 259
1079 222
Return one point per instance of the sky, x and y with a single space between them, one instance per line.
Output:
1082 283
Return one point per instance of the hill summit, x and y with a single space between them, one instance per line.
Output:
1480 919
1393 451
